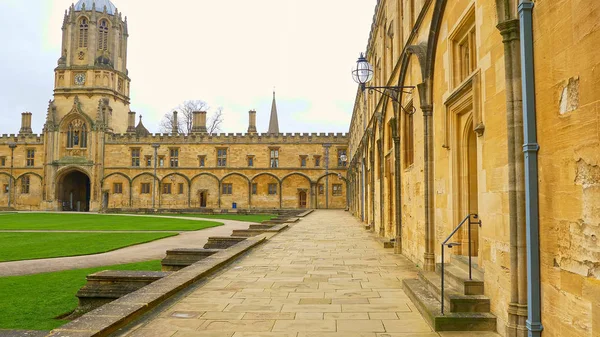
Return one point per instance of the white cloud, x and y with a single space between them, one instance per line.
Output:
227 53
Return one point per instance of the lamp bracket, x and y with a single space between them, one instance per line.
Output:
406 89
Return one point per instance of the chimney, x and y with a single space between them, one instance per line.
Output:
25 124
252 122
131 122
175 130
199 122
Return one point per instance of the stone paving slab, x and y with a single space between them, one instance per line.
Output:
324 277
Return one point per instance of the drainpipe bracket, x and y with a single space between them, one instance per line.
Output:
525 6
531 147
534 326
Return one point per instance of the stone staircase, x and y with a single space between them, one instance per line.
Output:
466 308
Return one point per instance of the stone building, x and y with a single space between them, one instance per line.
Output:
92 156
423 159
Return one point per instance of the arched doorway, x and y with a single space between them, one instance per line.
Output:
74 192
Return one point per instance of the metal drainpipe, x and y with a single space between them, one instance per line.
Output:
530 148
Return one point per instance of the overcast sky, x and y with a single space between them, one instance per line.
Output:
227 53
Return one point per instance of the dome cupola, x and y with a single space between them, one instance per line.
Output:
100 5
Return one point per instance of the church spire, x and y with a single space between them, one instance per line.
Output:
274 123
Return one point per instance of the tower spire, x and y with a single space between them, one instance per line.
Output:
274 122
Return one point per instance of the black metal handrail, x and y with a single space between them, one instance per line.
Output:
452 244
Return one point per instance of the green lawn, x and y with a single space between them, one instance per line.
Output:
239 217
26 246
32 301
60 221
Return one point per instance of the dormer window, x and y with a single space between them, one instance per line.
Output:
83 33
103 35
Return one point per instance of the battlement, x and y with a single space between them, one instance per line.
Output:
21 139
266 138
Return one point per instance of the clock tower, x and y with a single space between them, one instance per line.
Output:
92 69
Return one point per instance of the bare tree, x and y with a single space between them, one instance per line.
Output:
185 117
214 124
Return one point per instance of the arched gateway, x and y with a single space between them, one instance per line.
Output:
73 191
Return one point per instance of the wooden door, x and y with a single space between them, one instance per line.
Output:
302 197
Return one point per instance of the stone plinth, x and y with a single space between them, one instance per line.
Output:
222 242
106 286
180 258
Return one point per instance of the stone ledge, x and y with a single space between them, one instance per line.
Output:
257 231
110 317
303 214
180 258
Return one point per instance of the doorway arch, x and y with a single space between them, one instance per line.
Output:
74 192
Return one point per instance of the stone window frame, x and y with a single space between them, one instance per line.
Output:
161 161
30 159
145 188
166 188
227 189
103 30
250 160
321 189
83 32
25 184
202 161
148 161
342 151
136 154
2 161
462 47
317 159
180 188
274 157
336 190
117 188
5 188
272 189
173 157
303 160
254 189
222 156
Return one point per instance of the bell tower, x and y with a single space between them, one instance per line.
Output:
93 65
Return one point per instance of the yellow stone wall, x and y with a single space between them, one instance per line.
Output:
566 67
568 123
290 178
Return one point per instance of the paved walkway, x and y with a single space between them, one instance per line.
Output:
154 250
325 276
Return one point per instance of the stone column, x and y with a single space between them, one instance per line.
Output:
252 122
25 124
131 122
429 256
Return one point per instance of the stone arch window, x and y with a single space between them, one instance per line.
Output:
103 35
121 44
83 33
77 134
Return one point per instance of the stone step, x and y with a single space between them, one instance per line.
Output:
463 262
223 242
454 300
108 285
180 258
261 226
429 307
305 213
254 232
459 279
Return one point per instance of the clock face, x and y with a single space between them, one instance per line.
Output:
80 79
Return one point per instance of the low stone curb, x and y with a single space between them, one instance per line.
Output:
115 315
